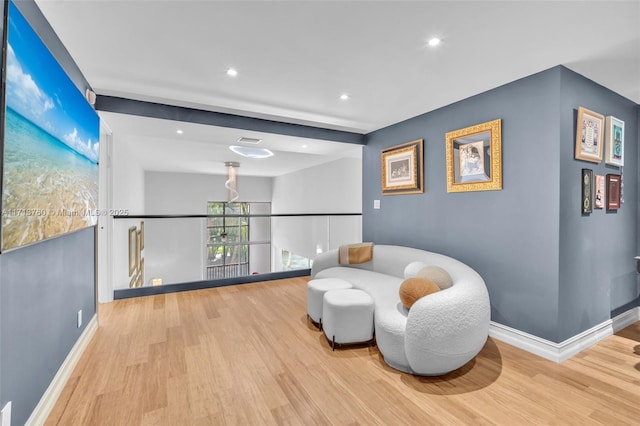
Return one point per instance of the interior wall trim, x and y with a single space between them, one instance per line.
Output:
50 396
559 352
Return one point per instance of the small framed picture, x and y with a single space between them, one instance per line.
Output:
139 251
142 235
587 192
615 142
133 250
613 192
589 135
599 192
402 168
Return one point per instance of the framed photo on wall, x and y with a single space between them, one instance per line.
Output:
587 192
133 250
474 157
615 142
589 135
599 192
402 168
613 192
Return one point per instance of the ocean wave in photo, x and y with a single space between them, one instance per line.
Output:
48 189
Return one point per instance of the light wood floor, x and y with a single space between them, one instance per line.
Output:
245 355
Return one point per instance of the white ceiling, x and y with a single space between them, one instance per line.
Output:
295 58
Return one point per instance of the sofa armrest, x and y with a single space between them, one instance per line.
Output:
448 328
324 260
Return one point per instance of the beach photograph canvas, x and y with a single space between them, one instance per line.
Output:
51 144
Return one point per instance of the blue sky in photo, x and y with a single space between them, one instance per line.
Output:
40 90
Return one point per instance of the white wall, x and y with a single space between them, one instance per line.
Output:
334 187
128 193
174 248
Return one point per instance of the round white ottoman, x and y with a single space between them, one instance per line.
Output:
315 292
347 316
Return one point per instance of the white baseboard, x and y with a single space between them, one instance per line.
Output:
50 396
626 319
559 352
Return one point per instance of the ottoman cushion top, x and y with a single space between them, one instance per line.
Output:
325 284
348 297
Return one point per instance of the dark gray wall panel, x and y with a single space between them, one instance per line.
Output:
511 236
43 286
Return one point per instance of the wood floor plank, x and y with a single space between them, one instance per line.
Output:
247 355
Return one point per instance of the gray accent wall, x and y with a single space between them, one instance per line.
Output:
529 241
597 270
42 287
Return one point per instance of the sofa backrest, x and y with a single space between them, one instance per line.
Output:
392 260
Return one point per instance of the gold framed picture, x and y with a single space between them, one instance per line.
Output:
589 135
142 235
402 168
133 250
474 157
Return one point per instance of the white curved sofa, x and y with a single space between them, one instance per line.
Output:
441 332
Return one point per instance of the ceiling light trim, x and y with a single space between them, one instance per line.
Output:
251 152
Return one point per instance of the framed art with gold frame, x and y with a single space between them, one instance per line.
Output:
589 135
474 157
402 168
142 235
133 250
139 251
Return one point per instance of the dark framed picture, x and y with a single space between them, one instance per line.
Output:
589 135
474 158
598 192
587 191
402 168
613 192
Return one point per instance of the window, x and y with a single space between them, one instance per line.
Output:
227 240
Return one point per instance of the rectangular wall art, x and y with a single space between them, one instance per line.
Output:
474 158
615 142
599 192
402 168
613 192
589 135
51 137
587 191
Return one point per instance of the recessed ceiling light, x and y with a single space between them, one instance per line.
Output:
344 96
305 146
231 72
251 152
434 42
253 141
179 132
